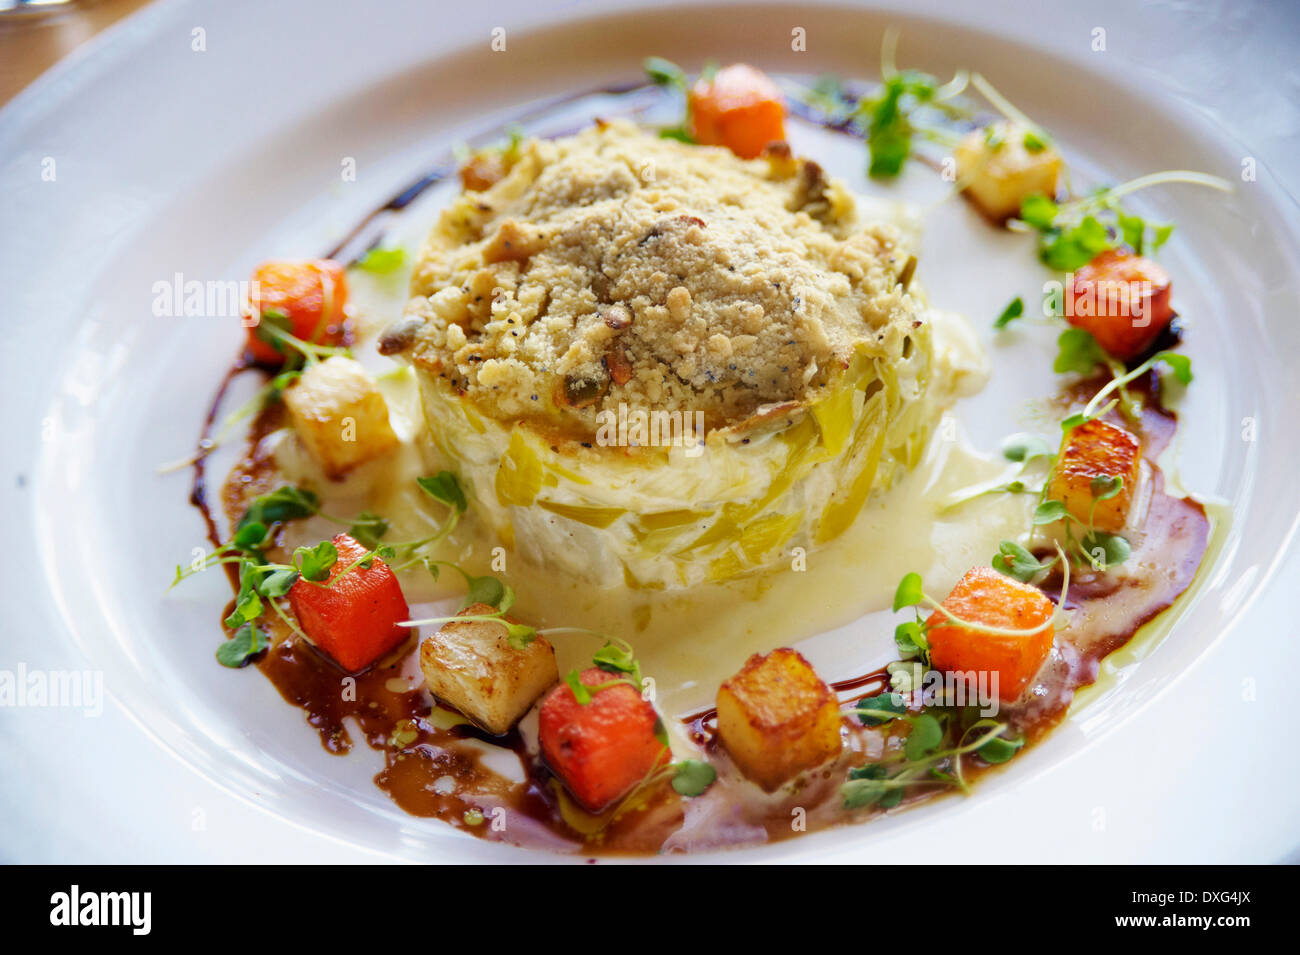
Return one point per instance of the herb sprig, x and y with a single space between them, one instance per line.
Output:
263 583
907 106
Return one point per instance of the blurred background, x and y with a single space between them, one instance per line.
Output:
35 34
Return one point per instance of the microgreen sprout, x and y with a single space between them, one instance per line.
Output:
617 658
274 329
382 261
691 777
1015 309
907 106
922 759
263 583
1073 233
669 75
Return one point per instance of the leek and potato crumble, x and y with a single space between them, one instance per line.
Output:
616 274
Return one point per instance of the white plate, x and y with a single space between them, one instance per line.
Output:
169 159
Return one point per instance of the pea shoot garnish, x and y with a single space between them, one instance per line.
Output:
1071 234
691 777
263 583
617 658
669 75
1015 309
908 106
382 261
923 760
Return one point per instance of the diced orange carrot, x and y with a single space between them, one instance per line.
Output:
602 749
1123 300
310 294
355 619
738 107
987 597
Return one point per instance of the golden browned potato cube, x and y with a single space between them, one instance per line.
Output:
471 666
1091 451
777 718
339 415
998 170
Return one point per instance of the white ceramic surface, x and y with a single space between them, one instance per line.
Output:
171 160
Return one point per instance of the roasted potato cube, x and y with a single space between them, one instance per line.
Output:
1092 451
471 666
999 170
991 599
339 415
777 718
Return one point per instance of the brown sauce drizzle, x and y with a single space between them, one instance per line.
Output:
434 766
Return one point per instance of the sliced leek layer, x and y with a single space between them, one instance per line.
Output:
661 517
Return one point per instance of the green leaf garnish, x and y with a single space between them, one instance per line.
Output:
678 133
1014 561
1178 363
314 563
380 261
277 583
908 593
867 786
1106 486
444 487
927 733
1049 512
1026 447
1076 246
581 692
250 536
910 638
889 125
367 529
1077 352
486 590
1036 140
248 603
285 503
1038 211
1106 550
874 710
1009 314
693 776
274 328
249 640
665 73
615 659
1068 424
999 749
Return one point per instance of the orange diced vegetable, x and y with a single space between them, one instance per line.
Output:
778 718
1122 299
738 107
1097 450
311 295
986 597
600 750
355 618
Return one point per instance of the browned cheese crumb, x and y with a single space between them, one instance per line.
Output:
616 266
